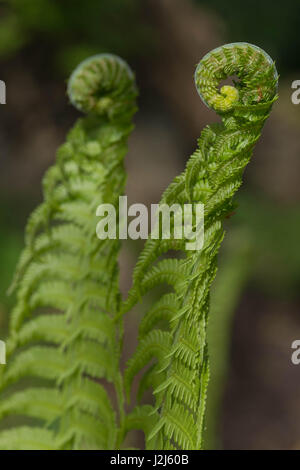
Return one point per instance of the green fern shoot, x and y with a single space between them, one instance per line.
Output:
66 330
62 332
172 334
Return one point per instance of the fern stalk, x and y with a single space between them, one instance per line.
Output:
180 372
61 329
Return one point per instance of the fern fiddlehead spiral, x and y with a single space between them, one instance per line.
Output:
179 373
61 329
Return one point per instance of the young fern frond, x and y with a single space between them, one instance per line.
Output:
66 329
62 330
179 373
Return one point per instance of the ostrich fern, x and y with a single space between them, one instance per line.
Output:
66 328
62 328
179 374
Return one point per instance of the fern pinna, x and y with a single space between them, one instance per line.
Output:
62 330
179 372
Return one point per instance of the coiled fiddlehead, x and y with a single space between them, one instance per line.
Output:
61 329
179 375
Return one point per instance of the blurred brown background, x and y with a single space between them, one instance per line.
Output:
254 400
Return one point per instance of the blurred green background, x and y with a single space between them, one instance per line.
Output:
254 391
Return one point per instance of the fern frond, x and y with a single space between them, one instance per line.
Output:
142 417
42 403
164 310
27 438
154 345
39 361
212 176
177 427
61 329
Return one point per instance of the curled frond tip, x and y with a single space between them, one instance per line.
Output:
102 84
254 69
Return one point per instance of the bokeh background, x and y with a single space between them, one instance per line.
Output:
254 392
